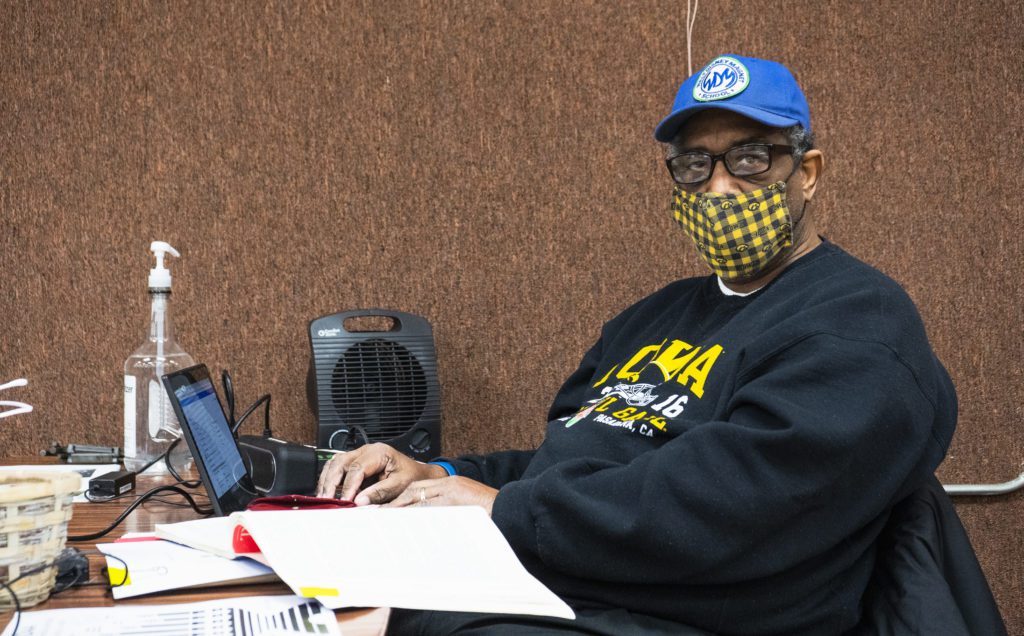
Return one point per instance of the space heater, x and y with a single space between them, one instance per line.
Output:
376 385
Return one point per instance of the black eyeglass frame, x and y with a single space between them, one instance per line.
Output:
772 148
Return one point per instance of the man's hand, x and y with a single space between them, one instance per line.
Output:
347 472
447 491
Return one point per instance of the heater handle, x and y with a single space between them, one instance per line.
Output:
396 316
403 322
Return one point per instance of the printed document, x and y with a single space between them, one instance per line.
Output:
146 566
254 615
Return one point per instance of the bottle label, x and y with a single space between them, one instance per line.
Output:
129 416
157 409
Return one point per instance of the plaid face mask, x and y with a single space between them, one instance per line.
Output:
737 235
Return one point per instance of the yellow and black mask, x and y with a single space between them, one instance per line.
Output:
737 235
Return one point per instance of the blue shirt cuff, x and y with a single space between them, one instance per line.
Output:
446 466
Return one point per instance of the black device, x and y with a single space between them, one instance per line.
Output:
375 385
72 569
85 453
278 467
208 434
112 484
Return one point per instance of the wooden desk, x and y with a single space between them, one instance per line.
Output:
88 518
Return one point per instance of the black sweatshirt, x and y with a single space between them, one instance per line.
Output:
727 462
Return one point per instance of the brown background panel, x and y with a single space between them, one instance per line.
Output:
490 166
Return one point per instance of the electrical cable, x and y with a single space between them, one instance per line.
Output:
181 480
266 418
58 586
166 457
159 457
135 504
124 579
229 395
17 605
265 399
357 432
167 502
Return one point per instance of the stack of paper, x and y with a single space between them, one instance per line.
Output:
440 558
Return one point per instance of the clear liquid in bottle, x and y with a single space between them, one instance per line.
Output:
150 424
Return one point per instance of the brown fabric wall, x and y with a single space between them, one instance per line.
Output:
490 166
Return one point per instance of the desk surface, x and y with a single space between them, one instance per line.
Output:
88 518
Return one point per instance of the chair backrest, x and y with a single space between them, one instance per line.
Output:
927 579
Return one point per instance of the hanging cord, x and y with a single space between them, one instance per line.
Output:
689 35
265 400
180 480
166 457
229 395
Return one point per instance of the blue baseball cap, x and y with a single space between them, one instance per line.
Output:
762 90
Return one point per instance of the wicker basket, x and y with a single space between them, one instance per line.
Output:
35 508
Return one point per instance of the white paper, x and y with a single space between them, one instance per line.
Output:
254 615
156 566
211 534
87 471
449 558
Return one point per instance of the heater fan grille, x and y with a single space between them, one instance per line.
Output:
379 385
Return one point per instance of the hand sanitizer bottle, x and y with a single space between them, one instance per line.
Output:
149 421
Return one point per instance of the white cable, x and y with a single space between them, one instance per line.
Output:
14 383
17 407
689 35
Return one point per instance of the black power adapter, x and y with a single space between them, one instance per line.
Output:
72 569
112 484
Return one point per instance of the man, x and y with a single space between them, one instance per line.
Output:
727 453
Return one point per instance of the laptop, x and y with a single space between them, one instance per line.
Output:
208 434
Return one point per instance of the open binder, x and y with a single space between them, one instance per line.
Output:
445 558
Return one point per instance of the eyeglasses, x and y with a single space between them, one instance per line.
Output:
748 160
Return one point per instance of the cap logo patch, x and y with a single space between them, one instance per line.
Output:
724 77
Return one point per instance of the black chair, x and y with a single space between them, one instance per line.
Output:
927 579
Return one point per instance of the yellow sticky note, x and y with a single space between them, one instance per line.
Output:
318 591
118 577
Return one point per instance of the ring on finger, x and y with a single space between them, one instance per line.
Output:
423 495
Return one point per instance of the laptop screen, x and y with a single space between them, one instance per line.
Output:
209 437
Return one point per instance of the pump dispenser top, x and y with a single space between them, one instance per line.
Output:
160 276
